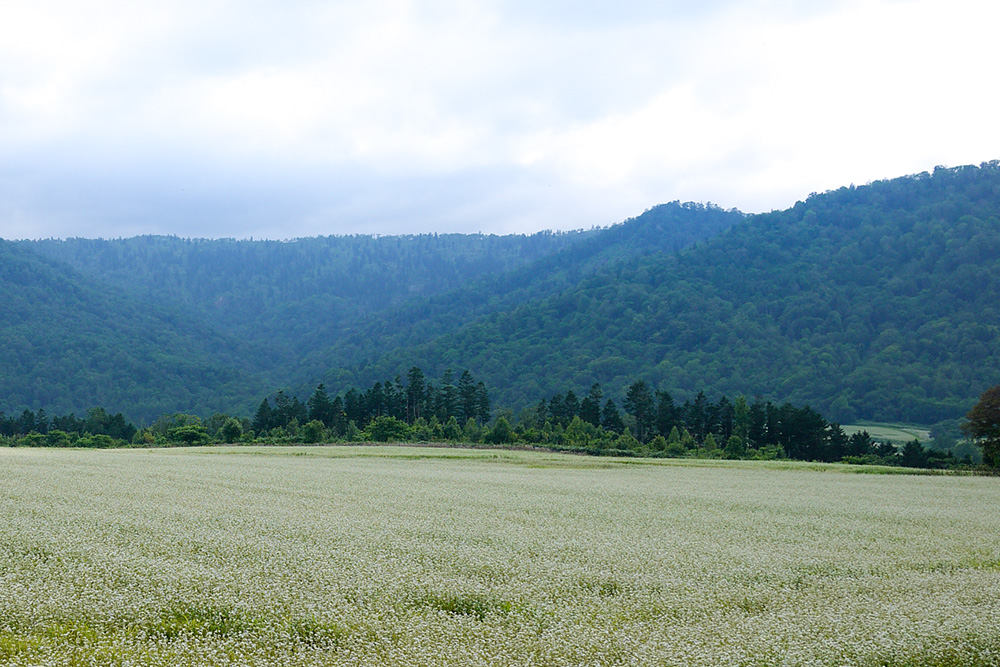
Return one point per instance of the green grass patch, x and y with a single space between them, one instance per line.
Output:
897 434
475 605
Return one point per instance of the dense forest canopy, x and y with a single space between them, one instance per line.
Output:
296 294
68 343
876 302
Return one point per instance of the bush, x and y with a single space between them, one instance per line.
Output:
386 429
313 432
501 433
100 441
191 434
735 448
232 430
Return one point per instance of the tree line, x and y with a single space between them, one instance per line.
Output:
407 402
648 423
98 429
652 424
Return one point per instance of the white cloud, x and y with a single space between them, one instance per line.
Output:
279 119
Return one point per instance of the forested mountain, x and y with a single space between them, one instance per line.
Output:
879 302
293 296
68 344
876 302
305 306
663 229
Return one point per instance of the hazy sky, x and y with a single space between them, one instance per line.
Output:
297 118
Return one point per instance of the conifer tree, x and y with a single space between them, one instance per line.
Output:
467 400
611 420
416 394
590 406
320 407
263 418
639 404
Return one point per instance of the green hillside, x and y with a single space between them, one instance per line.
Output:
294 296
297 308
667 228
874 302
67 345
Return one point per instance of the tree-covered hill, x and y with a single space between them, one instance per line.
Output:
879 302
666 228
299 308
292 296
67 345
876 302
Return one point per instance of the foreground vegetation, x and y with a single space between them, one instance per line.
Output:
407 556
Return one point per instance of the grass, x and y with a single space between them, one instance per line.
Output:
420 556
897 434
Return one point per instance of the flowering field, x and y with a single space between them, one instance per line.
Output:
408 556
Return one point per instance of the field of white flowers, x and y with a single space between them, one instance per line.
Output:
407 556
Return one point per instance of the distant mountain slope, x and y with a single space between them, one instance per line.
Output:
292 296
665 228
880 302
874 302
310 304
67 345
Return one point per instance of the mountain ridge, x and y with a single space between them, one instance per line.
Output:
875 301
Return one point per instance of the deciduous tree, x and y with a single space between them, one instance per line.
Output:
983 424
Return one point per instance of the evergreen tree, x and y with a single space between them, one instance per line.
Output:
320 407
467 399
448 397
557 410
913 455
741 420
451 430
860 444
611 420
571 406
723 418
667 414
41 422
483 406
416 394
395 398
639 403
590 406
354 409
263 418
697 417
339 423
837 443
687 440
374 400
26 424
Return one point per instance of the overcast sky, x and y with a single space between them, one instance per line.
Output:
271 119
